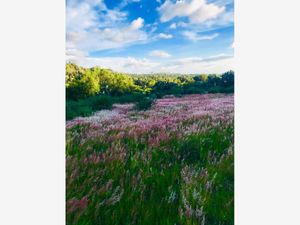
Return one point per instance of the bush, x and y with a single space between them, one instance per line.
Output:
144 103
215 89
134 97
229 89
101 102
85 107
77 108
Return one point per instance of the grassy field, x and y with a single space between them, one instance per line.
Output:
171 164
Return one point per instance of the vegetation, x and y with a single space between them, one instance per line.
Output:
171 164
166 159
88 90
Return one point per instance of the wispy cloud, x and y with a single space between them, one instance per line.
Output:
119 64
195 60
193 36
126 2
197 11
164 36
173 26
214 64
159 53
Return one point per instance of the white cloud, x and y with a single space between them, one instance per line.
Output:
182 24
214 64
90 28
126 2
137 24
80 17
154 28
119 64
223 2
73 53
224 19
164 36
173 26
138 64
195 65
193 60
193 36
198 11
159 53
107 38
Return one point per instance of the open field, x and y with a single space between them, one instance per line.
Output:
171 164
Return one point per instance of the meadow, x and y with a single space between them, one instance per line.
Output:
92 89
172 163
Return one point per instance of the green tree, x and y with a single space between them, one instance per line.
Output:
73 72
87 85
90 82
228 79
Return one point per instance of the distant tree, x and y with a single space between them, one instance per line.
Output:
87 85
213 80
203 78
164 86
228 79
83 82
90 82
73 72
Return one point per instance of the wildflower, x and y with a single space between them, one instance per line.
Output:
75 204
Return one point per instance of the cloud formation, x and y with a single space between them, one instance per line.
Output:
164 36
159 53
173 26
197 11
193 65
193 36
86 33
137 24
92 27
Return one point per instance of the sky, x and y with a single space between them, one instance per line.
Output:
151 36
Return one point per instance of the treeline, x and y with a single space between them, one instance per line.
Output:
96 88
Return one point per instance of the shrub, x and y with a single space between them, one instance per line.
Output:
77 108
101 102
144 103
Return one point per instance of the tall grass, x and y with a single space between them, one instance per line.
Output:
165 168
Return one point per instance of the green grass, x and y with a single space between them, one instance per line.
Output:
152 185
85 107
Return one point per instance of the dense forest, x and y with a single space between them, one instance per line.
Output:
92 89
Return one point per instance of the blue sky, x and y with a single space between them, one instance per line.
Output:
146 36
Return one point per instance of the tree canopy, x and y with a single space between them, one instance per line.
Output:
82 83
